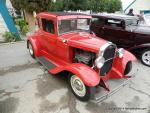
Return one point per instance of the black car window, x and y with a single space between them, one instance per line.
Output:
48 25
114 23
97 20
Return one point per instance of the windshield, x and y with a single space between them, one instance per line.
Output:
132 22
73 25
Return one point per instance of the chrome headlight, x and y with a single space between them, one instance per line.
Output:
120 52
99 62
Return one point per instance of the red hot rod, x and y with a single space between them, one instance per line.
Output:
63 42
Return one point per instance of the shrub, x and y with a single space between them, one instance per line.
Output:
10 37
23 25
25 29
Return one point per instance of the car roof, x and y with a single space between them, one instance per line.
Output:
66 13
62 13
115 16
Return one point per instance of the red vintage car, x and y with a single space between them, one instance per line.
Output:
63 42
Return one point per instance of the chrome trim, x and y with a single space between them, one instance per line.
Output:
102 49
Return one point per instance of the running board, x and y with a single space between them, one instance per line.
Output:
46 64
115 90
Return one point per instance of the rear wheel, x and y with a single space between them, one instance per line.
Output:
31 50
145 57
79 89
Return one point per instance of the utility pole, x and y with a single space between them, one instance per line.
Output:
8 19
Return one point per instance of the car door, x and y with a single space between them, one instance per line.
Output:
48 36
115 32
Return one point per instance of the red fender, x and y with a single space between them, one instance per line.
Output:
119 65
35 44
89 76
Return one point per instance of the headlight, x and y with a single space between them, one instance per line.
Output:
120 52
99 62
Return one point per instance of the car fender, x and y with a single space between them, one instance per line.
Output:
89 76
147 45
35 44
119 65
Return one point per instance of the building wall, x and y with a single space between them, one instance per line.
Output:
140 5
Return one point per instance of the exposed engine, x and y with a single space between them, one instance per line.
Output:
85 57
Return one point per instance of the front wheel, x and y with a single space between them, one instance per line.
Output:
145 57
31 50
79 89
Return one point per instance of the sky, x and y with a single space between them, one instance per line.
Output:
126 3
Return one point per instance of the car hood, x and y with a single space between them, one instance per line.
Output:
141 29
84 40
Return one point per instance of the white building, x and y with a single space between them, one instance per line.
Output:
138 5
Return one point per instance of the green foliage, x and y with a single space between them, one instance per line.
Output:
75 4
61 5
109 6
10 37
23 25
25 29
32 5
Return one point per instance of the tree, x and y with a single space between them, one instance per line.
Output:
75 5
109 6
61 5
32 5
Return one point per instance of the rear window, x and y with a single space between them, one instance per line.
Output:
113 23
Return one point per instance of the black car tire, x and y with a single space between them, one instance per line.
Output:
88 91
31 50
144 53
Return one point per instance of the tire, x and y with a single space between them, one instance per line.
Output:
145 57
128 68
31 50
79 89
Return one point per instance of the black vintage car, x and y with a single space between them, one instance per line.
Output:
124 31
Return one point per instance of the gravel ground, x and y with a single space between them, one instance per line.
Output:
26 88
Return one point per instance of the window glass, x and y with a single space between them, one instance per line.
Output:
147 17
73 25
48 26
99 21
131 22
114 23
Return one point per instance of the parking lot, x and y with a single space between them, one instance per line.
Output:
26 88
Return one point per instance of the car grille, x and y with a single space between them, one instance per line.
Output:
109 54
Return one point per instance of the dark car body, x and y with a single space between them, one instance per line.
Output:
122 30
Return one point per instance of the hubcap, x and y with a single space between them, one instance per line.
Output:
78 86
146 57
30 49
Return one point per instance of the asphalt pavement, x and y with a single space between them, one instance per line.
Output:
26 88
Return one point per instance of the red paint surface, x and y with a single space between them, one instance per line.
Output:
60 53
